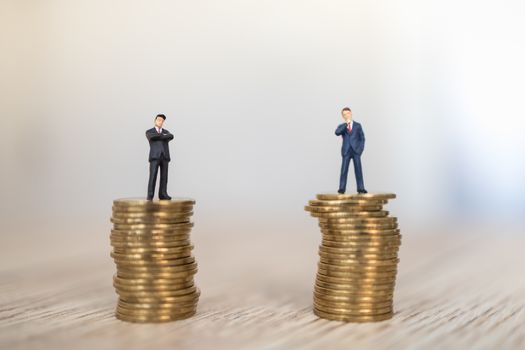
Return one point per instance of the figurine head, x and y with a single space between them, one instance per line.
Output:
159 120
347 114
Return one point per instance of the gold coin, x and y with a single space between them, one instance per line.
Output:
175 263
142 202
361 245
364 273
361 220
143 296
332 259
345 202
153 239
351 253
355 287
132 308
174 311
160 284
353 249
150 287
349 248
337 265
177 229
153 279
150 293
356 196
358 227
174 269
369 232
360 319
157 306
355 280
150 275
149 227
171 274
343 209
160 259
150 245
154 250
168 220
357 274
366 259
151 300
138 209
176 300
172 278
132 261
186 295
353 305
154 215
384 293
363 239
149 258
152 269
150 252
352 298
154 318
376 214
150 209
353 311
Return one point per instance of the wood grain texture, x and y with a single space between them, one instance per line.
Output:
455 290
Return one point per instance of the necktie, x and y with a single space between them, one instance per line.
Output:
349 127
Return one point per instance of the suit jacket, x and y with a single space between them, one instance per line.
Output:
158 143
354 140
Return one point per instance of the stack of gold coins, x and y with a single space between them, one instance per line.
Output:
358 257
153 254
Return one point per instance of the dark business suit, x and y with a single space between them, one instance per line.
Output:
159 157
353 146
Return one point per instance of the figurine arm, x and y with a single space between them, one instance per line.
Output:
153 136
362 136
167 137
340 129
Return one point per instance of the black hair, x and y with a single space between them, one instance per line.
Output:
161 116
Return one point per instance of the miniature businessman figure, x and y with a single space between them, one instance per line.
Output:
159 157
353 146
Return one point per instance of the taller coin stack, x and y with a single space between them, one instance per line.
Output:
153 254
358 257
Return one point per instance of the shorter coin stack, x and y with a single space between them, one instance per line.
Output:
358 257
153 254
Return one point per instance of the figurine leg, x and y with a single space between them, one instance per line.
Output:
153 169
358 173
344 173
163 186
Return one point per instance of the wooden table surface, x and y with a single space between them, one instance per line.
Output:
456 289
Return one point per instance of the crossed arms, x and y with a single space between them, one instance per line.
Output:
155 136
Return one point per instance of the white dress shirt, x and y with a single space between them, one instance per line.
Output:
159 130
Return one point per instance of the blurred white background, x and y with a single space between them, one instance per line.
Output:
252 91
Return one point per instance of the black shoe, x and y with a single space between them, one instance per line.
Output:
164 197
340 191
150 197
362 191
